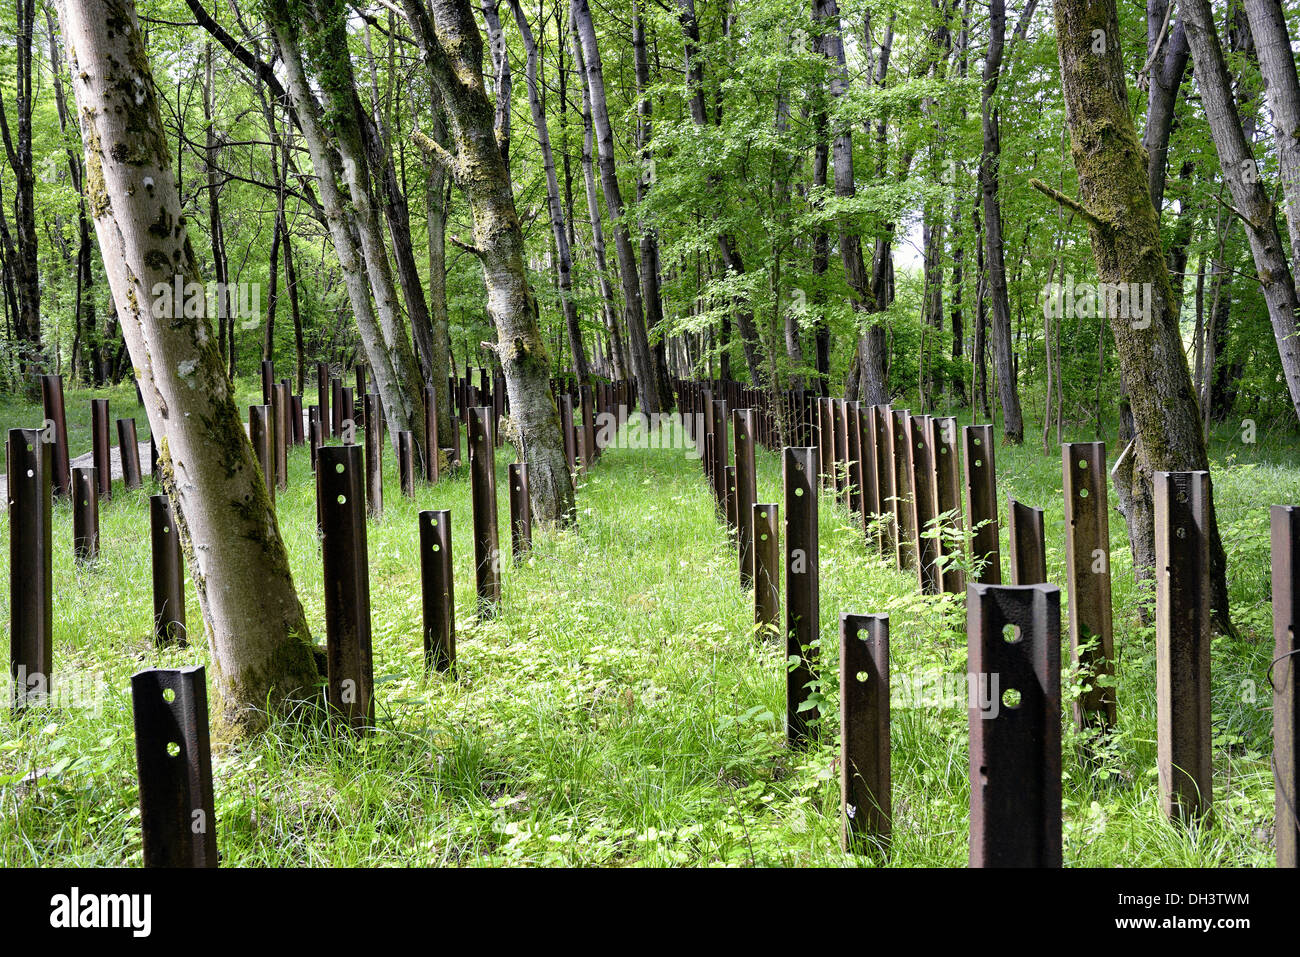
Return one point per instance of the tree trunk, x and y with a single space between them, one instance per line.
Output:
257 634
1115 200
452 49
643 364
563 254
24 265
1248 193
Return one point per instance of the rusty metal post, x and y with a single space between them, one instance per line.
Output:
100 445
721 452
360 393
947 500
268 381
1184 762
729 505
374 457
85 514
178 821
900 438
1028 544
283 434
483 491
825 441
56 432
336 407
566 427
168 576
1087 567
128 451
439 592
980 482
261 432
406 462
31 601
923 510
802 600
349 416
295 419
521 511
453 459
744 428
315 432
869 499
323 395
432 467
883 418
589 450
840 417
854 492
767 569
865 800
340 496
1014 716
1285 533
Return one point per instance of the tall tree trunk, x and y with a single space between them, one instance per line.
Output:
451 47
1282 88
1168 64
563 254
257 633
26 275
1115 200
1013 425
392 384
1251 199
643 364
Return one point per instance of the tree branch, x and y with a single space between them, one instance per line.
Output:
1068 202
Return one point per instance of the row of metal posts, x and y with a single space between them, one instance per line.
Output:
866 447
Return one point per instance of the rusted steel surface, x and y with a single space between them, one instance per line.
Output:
168 576
128 447
979 478
840 416
802 599
1015 745
1183 757
432 467
885 479
767 569
323 396
406 462
521 511
100 445
374 456
295 419
261 432
923 506
454 457
315 432
31 590
349 416
340 495
56 420
589 450
1028 544
900 438
1087 568
566 427
864 732
268 381
825 442
947 501
853 451
281 410
438 589
869 500
483 491
721 452
85 514
178 820
336 407
1285 533
743 427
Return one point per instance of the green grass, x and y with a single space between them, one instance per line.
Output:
620 711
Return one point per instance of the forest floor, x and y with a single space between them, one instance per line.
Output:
621 710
